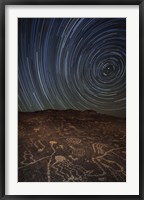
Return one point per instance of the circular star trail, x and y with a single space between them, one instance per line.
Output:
72 63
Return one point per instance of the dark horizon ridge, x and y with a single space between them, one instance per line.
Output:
76 111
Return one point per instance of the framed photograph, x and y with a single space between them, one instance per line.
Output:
71 99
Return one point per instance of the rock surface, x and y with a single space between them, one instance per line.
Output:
71 146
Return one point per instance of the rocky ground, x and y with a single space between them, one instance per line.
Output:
71 146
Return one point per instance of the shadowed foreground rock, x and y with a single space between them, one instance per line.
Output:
71 146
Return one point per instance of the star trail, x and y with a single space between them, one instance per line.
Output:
72 63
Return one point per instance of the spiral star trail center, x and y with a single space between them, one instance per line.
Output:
107 70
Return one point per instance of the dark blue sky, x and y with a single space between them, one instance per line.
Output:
72 63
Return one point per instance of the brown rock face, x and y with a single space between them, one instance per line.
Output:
71 146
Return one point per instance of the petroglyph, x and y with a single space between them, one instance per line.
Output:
73 140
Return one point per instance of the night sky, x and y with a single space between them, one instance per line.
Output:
72 63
